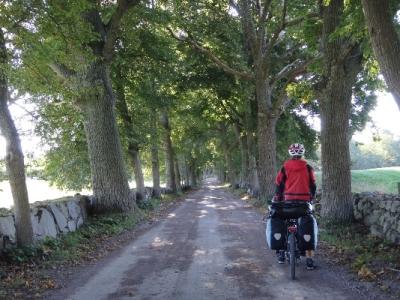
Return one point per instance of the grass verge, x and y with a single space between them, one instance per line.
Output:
383 180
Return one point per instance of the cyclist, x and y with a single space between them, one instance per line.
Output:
296 182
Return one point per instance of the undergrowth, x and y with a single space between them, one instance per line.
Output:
75 245
359 249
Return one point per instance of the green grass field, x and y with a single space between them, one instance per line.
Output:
382 180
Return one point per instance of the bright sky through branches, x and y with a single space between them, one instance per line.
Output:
385 116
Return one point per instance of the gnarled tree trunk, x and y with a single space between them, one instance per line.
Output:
14 159
341 69
109 177
385 42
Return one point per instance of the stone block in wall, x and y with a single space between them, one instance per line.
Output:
43 223
72 225
79 222
74 209
376 230
395 207
7 228
372 218
84 203
60 218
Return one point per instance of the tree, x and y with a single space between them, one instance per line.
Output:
342 63
385 42
14 156
79 39
130 132
169 153
276 60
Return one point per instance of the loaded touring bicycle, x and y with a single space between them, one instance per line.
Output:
291 228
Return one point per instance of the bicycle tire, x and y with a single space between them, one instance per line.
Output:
292 255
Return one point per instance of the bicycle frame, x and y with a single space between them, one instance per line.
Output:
291 251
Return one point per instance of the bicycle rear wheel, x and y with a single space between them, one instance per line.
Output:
292 255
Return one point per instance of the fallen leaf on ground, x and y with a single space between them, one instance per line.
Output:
365 274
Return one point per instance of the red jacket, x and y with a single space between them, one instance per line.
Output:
295 181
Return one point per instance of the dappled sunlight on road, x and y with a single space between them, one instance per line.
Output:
171 215
158 242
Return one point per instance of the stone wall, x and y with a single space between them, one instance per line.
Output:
381 212
49 218
54 217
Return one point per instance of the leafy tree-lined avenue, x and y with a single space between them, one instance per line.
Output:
167 90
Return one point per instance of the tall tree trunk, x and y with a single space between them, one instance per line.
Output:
109 177
341 70
266 140
130 131
229 167
14 159
169 153
155 163
244 157
385 42
192 172
177 174
251 142
134 155
186 169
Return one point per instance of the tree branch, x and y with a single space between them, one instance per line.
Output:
281 102
62 71
234 115
221 64
249 28
262 22
293 69
290 23
113 26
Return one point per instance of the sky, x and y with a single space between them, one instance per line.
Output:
385 116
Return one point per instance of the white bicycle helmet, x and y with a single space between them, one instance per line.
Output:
296 149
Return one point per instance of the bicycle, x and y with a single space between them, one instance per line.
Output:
290 211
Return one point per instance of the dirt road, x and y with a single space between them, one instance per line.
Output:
211 247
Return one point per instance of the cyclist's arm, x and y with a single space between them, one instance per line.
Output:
313 185
280 185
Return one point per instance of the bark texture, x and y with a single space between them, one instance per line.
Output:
155 162
385 42
266 135
342 64
14 158
109 177
169 153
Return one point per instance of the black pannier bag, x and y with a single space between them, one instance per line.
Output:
307 233
276 233
290 209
